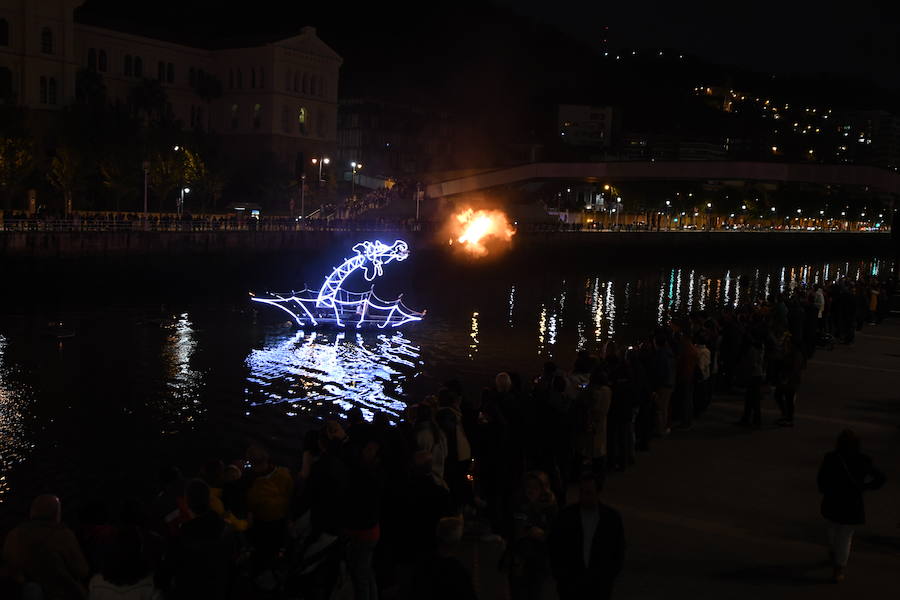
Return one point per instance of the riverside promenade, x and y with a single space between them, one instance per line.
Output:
724 512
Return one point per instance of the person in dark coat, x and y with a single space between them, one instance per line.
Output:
441 576
843 477
200 560
587 545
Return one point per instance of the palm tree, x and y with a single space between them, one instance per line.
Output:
148 99
208 88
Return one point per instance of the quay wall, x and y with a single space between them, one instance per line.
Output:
125 244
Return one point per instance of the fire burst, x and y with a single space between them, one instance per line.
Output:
477 227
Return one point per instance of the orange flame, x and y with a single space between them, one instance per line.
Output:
477 227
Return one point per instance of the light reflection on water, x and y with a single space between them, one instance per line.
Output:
14 404
185 384
310 371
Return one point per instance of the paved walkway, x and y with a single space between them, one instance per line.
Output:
723 512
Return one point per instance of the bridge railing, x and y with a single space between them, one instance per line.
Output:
286 224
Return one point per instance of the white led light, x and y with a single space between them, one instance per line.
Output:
333 305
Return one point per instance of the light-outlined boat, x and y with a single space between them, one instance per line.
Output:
332 305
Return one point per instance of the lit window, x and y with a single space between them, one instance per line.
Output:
301 119
257 116
47 40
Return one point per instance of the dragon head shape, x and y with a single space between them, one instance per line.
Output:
378 254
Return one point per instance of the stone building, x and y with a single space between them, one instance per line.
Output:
279 96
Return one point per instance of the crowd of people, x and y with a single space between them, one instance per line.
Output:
380 510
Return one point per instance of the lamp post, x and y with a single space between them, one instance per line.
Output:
184 190
418 192
302 197
146 166
321 160
709 216
355 168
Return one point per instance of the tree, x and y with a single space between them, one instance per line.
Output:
121 174
167 173
16 164
65 175
206 182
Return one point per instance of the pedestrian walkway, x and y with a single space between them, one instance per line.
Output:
730 513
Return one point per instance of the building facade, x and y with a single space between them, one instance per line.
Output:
278 97
392 138
586 126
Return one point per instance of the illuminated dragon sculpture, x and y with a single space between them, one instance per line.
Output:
333 305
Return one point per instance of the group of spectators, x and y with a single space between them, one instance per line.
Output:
382 510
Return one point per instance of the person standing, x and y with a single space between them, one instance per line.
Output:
844 475
587 545
787 380
754 365
663 377
592 410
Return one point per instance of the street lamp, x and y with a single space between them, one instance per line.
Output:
321 160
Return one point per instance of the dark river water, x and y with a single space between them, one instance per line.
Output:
183 376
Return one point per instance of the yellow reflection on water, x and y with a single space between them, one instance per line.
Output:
14 444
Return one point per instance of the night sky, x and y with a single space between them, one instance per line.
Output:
857 38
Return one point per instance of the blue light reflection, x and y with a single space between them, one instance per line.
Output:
329 372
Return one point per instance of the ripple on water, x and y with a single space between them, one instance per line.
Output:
14 437
328 372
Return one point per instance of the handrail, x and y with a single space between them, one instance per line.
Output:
287 224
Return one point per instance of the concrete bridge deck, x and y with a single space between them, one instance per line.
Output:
875 178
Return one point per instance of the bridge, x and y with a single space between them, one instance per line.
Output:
876 179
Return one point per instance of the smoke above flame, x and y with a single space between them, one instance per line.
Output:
475 230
